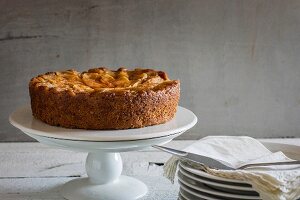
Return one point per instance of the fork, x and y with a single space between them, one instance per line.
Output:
215 163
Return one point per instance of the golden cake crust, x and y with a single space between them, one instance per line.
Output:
104 99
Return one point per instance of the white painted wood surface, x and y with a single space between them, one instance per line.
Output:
33 171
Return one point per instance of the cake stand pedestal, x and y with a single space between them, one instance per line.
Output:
103 163
104 167
104 180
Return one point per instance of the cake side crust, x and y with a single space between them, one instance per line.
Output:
105 110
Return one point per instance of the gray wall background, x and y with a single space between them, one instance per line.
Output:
238 60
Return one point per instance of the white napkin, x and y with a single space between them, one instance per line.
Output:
272 182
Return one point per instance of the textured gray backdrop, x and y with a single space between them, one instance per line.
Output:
238 61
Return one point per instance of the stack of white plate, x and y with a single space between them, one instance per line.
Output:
196 184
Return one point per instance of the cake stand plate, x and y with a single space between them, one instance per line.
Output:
103 163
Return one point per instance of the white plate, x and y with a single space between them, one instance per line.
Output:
231 186
212 177
199 187
183 195
22 119
191 194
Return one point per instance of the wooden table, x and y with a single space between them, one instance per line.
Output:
33 171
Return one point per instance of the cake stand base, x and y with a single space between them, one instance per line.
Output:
104 180
125 188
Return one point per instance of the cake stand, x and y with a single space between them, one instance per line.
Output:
103 163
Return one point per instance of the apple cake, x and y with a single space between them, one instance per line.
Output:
104 99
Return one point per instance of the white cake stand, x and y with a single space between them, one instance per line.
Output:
103 163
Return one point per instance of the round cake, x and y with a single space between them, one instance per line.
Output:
104 99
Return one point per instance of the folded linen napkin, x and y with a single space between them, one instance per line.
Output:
271 182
